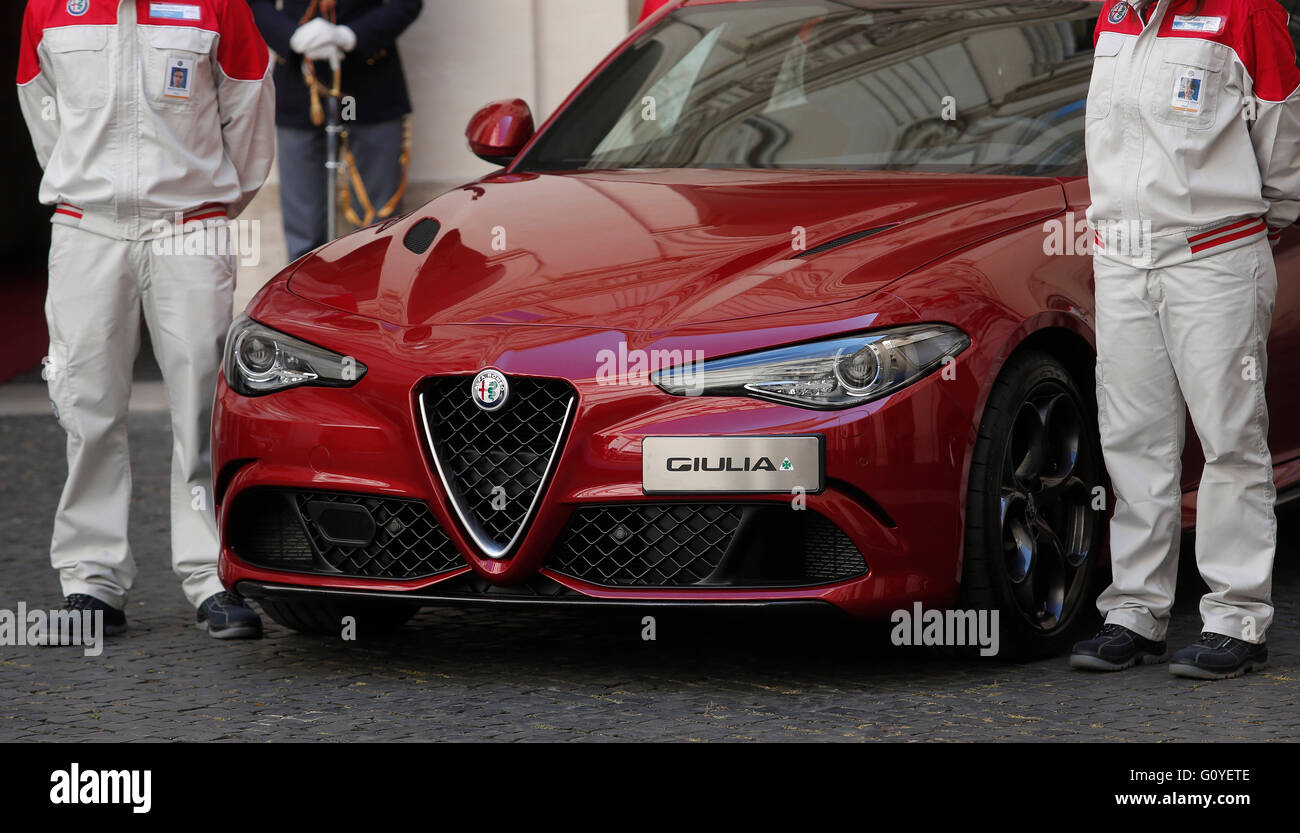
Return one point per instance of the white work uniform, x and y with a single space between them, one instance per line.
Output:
141 113
1190 181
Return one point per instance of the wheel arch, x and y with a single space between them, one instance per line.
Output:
1061 335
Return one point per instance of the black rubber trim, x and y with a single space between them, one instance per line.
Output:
844 241
865 500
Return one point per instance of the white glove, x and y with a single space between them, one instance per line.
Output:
313 35
329 53
345 38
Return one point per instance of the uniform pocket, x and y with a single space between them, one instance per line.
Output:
79 64
1105 59
177 66
54 369
1187 86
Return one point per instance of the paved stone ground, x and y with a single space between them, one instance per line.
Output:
534 675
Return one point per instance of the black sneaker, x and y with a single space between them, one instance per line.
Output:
1218 657
226 616
114 619
1115 648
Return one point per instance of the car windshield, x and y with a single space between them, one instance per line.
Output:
992 88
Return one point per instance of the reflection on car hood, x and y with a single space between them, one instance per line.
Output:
652 250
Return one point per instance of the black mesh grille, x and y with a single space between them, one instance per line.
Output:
704 545
407 542
669 545
828 553
271 533
278 529
496 461
420 236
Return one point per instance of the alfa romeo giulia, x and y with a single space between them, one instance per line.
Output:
788 304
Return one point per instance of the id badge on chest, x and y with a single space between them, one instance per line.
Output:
1189 90
180 78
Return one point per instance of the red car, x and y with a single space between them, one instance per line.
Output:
788 304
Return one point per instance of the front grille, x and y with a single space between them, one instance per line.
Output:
495 464
704 545
335 533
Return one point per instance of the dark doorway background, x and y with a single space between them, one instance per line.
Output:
24 223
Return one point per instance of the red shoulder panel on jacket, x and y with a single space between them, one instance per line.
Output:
48 14
1256 32
242 52
1116 16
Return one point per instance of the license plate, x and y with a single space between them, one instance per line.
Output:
692 465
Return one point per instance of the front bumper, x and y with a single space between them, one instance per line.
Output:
894 474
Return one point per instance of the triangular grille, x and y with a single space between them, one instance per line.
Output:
495 464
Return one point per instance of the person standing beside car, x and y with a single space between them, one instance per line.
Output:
361 36
141 113
1193 145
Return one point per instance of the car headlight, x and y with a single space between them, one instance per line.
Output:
826 375
261 360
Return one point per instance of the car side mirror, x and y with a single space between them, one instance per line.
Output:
500 130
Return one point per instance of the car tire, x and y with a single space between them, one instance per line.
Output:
325 616
1035 519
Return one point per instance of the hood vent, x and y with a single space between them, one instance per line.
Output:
844 241
419 237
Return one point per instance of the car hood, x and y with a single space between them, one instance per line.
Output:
652 250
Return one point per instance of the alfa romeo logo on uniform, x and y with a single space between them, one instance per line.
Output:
77 8
1118 12
489 390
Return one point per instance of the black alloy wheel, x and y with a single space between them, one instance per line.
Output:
1036 516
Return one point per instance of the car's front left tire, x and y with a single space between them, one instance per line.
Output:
1035 519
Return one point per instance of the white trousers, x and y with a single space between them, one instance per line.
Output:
98 287
1193 333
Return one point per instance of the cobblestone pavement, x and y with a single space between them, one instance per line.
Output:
543 675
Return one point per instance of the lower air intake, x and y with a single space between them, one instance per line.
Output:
335 533
704 545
